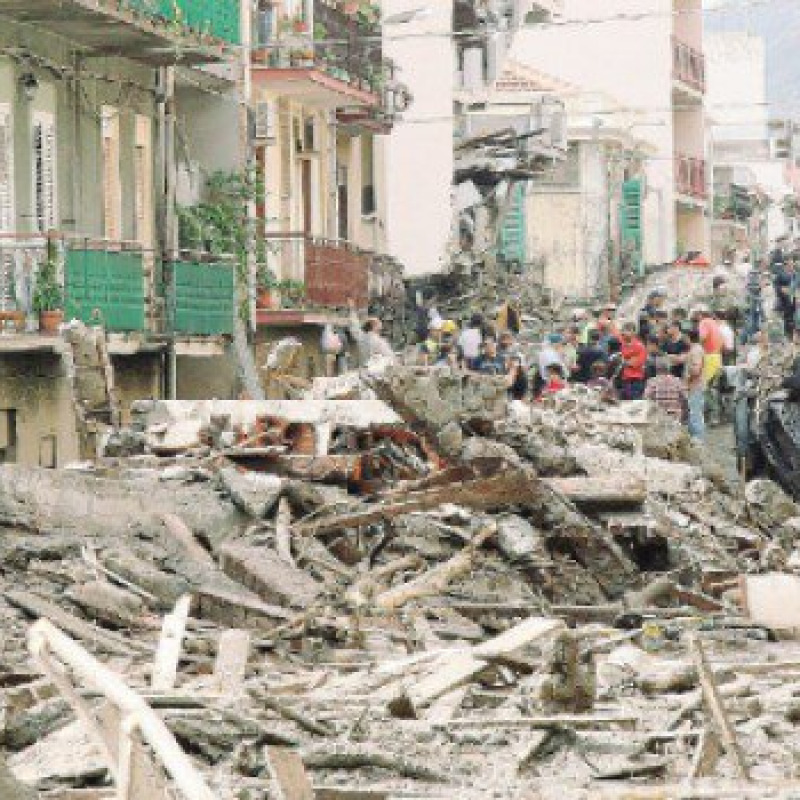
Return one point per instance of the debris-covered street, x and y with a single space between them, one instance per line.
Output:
396 588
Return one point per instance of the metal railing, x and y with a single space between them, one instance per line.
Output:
690 177
688 65
332 272
339 45
21 256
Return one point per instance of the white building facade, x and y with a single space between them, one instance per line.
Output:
648 55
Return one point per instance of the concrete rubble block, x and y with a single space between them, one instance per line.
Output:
517 539
436 397
107 603
768 504
268 575
772 600
477 448
166 587
253 493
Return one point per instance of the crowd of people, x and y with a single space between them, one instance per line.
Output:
670 355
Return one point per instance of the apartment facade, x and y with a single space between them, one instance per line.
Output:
88 98
451 58
648 56
754 186
584 214
324 96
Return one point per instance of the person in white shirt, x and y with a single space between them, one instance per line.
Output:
470 341
551 354
368 339
728 341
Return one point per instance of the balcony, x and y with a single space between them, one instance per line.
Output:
149 31
690 178
337 64
320 276
688 70
103 282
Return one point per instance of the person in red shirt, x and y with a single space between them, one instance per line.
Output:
634 358
555 380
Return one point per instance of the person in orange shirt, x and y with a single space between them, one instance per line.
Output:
713 343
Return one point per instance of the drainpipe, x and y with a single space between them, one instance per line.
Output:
166 116
246 154
333 167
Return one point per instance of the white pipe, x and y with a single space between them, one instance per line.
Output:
44 638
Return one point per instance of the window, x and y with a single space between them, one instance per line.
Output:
112 188
7 215
143 182
368 199
44 172
8 435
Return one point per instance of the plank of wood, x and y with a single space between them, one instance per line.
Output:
706 755
452 670
597 492
544 722
35 606
435 580
289 774
714 704
230 666
168 654
283 531
512 487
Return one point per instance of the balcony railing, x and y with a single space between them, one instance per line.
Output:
688 66
332 272
103 282
690 177
340 45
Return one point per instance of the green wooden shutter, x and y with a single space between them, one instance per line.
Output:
111 282
203 298
512 245
630 218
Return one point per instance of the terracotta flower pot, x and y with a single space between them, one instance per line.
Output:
267 298
49 321
15 317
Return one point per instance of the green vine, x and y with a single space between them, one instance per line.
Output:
219 225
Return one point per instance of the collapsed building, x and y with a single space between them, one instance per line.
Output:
397 586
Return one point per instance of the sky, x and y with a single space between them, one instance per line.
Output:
779 22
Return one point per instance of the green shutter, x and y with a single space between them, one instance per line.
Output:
111 283
511 245
203 298
630 218
219 18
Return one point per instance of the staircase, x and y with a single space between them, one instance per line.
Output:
91 375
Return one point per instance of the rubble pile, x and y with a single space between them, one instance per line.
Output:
403 587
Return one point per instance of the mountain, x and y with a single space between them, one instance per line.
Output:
778 21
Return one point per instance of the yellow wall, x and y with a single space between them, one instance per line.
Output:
36 388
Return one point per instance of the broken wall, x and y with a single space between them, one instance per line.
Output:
37 416
136 377
201 377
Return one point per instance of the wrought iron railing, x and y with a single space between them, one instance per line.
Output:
341 45
331 272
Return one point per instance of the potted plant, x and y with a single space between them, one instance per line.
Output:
268 290
292 293
48 298
299 25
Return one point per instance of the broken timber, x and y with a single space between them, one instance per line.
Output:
452 670
510 488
